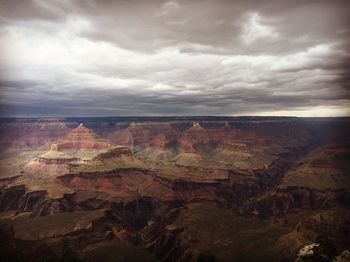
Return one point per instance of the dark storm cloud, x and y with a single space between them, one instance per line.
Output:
158 57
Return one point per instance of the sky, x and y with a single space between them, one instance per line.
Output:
178 57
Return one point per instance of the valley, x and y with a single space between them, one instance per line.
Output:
173 188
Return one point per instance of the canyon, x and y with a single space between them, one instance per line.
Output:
173 188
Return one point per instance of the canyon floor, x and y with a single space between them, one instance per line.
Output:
175 189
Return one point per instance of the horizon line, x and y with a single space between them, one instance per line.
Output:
174 116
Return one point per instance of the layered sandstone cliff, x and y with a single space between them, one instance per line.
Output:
54 156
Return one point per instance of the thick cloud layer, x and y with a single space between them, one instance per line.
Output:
113 58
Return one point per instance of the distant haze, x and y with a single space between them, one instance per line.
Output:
128 58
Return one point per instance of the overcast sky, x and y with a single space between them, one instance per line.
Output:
129 58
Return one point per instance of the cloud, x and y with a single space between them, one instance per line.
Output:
105 58
168 8
253 30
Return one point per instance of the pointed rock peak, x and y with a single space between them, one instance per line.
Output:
82 127
55 153
54 147
196 125
81 132
133 124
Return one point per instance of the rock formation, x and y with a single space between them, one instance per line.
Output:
178 189
54 156
83 138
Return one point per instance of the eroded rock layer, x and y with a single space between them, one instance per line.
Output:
175 189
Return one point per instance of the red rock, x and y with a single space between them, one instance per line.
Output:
83 138
26 133
158 135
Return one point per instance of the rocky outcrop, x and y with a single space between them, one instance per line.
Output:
166 241
333 224
31 201
117 151
148 171
81 133
282 201
169 247
32 133
143 135
132 215
144 222
327 231
7 180
319 183
83 138
19 199
192 137
39 203
79 146
343 257
56 157
72 179
10 197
